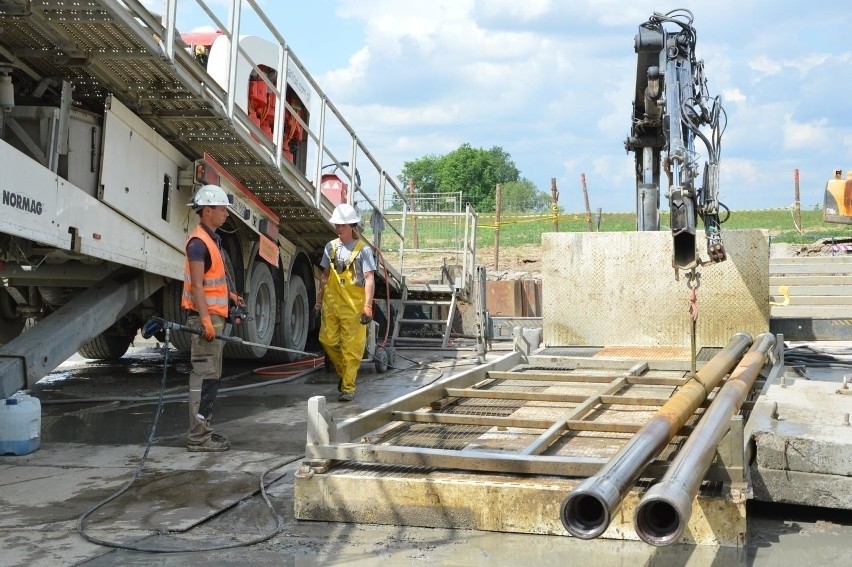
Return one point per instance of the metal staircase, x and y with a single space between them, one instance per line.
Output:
434 304
448 237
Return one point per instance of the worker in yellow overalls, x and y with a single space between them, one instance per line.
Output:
345 297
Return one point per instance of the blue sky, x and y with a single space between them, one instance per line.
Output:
551 82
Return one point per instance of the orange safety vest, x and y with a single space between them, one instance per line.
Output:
215 279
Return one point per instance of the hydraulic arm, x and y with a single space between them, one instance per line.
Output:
671 109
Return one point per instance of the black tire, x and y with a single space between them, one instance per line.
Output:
391 357
106 347
172 312
11 325
261 303
292 330
380 360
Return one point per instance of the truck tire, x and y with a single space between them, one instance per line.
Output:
292 330
106 347
11 325
262 306
172 312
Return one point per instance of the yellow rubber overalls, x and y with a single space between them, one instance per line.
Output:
341 334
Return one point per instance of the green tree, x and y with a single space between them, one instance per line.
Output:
473 171
522 196
423 171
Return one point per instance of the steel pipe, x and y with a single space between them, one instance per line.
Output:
663 512
587 511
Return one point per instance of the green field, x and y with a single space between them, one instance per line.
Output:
435 232
516 231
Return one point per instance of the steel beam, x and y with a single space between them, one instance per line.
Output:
35 353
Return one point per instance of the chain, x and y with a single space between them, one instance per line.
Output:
693 280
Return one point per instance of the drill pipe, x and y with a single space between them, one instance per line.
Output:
663 512
586 512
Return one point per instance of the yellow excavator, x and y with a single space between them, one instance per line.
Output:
838 199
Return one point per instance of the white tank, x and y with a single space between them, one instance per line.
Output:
20 425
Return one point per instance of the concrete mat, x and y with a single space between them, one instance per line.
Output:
174 501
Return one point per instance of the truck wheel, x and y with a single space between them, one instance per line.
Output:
261 303
292 331
11 325
106 347
172 311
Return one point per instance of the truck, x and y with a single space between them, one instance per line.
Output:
109 119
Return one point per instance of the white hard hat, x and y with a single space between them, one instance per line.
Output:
209 196
345 214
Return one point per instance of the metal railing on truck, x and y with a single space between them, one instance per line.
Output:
331 140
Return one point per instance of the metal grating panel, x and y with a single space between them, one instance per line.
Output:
566 422
645 352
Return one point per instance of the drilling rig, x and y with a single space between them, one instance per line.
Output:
672 109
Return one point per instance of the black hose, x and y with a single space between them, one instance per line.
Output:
81 528
818 359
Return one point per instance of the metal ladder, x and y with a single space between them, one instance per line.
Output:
447 323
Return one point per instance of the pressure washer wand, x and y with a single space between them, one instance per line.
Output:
157 324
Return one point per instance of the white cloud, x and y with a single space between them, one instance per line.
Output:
805 135
351 76
552 83
804 64
764 67
733 95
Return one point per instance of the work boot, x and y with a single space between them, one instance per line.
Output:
215 444
345 397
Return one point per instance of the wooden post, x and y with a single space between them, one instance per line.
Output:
412 204
586 199
554 200
498 207
797 209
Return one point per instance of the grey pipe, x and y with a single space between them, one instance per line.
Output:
663 512
587 511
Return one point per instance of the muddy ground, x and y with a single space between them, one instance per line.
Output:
188 501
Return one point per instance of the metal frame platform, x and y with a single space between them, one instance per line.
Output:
518 421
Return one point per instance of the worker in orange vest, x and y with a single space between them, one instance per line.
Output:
206 297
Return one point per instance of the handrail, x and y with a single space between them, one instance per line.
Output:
319 145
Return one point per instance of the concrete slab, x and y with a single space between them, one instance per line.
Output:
806 489
808 434
804 456
270 424
619 288
490 502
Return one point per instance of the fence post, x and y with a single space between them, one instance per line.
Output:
586 199
412 206
797 208
554 200
498 206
